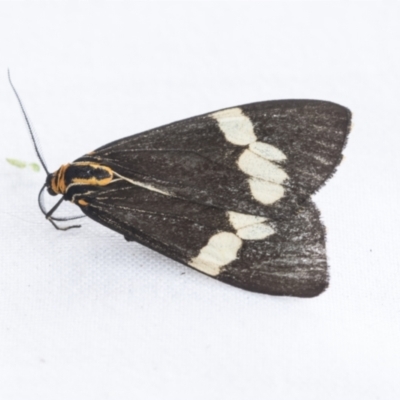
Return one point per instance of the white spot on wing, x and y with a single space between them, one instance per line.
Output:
267 151
265 192
259 167
250 227
221 249
255 232
237 128
239 220
258 160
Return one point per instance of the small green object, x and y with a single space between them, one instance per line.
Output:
21 164
35 167
16 163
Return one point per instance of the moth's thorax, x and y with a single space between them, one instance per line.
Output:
78 174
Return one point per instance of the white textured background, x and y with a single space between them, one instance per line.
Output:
85 315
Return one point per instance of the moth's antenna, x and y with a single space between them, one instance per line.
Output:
34 140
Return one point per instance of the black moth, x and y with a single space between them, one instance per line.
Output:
227 193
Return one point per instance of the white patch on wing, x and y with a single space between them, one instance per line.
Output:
255 232
239 220
250 227
237 128
221 249
259 167
267 151
258 161
265 192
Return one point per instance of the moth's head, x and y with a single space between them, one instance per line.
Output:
55 182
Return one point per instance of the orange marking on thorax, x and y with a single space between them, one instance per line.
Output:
58 181
94 181
59 185
61 180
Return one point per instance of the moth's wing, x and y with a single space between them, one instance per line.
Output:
281 258
263 158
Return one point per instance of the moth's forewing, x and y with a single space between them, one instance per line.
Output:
196 160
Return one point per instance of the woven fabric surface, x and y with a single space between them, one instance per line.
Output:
86 315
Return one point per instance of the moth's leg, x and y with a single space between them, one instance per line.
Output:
49 218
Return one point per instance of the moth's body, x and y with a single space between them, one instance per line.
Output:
227 193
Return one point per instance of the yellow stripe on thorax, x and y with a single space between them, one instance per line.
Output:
60 186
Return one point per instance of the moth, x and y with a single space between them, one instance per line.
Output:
227 193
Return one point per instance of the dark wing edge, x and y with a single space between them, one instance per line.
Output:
292 264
